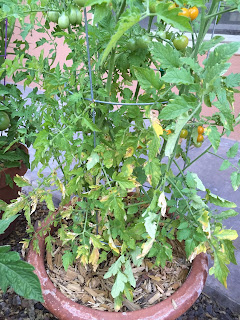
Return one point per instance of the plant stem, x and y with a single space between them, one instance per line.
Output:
220 12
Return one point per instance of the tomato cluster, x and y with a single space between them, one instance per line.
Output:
72 16
200 138
191 13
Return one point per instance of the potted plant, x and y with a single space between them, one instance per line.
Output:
115 125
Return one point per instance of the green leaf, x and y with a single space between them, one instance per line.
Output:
175 108
207 45
218 201
166 55
151 224
21 181
198 181
147 78
49 201
89 124
214 136
115 267
129 273
153 172
173 138
190 245
232 152
4 224
235 180
19 275
67 259
219 269
119 284
225 165
233 80
123 181
178 76
92 160
126 22
184 234
191 183
225 214
229 250
171 17
222 53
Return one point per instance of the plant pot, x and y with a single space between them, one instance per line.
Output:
7 193
65 309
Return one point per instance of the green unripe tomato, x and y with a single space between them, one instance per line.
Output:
181 42
80 3
53 16
63 21
73 15
184 133
79 16
143 42
198 144
4 120
162 34
131 45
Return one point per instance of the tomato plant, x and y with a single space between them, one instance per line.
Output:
53 16
183 133
193 13
143 42
4 120
180 42
63 21
131 44
79 16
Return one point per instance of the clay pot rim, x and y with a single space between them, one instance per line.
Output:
184 297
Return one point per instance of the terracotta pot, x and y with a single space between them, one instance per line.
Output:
65 309
7 193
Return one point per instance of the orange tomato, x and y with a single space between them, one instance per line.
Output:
193 13
184 12
200 130
200 138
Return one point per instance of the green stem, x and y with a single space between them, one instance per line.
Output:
110 72
220 12
134 204
216 155
180 170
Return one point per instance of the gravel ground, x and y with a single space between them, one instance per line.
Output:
13 306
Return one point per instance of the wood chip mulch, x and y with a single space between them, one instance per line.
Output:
94 290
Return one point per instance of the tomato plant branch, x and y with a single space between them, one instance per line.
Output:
220 12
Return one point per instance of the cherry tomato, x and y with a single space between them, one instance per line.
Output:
198 144
168 132
4 120
184 133
193 13
143 42
131 45
200 138
63 21
200 130
80 3
181 42
73 15
53 16
184 12
79 16
162 34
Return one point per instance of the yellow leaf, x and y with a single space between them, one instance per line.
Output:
200 248
146 248
129 152
227 234
112 245
93 259
157 127
162 204
204 220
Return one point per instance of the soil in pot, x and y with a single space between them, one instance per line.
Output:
88 287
